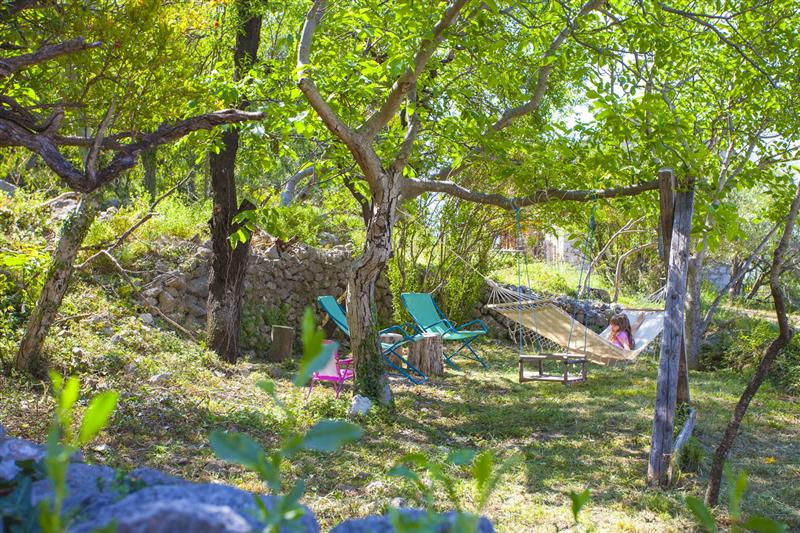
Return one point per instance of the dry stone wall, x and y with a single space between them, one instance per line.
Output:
278 287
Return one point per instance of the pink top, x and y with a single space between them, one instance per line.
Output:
621 339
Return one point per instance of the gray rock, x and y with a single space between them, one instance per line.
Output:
196 310
86 485
198 286
204 252
172 516
20 450
8 188
381 524
159 378
147 319
150 477
359 406
8 469
167 302
186 497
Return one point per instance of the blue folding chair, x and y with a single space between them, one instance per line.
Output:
388 351
430 319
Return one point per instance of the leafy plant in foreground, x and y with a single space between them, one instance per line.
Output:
737 487
484 472
63 441
324 436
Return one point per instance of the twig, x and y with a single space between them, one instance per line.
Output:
147 216
147 305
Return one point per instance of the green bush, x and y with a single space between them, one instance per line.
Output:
738 342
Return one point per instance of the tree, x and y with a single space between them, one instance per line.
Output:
229 264
34 73
413 92
773 351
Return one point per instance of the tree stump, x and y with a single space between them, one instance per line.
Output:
427 354
391 338
281 348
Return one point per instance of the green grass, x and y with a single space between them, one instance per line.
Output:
594 435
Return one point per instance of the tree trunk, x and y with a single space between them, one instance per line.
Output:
693 322
73 231
775 348
362 314
671 343
228 264
149 165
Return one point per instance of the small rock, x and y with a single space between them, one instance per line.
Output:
204 253
78 352
116 339
8 188
398 502
158 378
359 406
147 319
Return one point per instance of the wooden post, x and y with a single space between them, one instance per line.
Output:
427 354
281 347
666 197
667 388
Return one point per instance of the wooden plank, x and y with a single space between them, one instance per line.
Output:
669 362
681 439
666 198
553 379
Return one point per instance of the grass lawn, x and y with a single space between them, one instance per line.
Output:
594 435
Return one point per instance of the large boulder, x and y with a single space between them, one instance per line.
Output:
173 516
87 486
137 510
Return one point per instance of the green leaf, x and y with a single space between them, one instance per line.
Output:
404 472
762 524
314 357
701 513
737 490
97 415
69 394
482 470
237 448
330 435
461 457
578 501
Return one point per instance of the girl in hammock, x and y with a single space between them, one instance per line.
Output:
622 330
621 334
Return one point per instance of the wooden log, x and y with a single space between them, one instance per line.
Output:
682 439
669 362
427 354
281 348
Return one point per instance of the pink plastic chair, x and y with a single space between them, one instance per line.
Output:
336 370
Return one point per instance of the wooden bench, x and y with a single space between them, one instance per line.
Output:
567 359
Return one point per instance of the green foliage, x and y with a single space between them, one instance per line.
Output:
737 341
484 472
324 436
62 443
737 485
578 502
692 456
300 221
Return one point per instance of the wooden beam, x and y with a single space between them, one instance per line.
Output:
666 197
667 387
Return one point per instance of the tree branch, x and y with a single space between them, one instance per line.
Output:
12 134
11 65
306 83
90 167
722 37
406 81
414 187
544 72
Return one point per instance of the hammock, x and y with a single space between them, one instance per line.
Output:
543 327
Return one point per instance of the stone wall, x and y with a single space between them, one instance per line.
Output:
278 287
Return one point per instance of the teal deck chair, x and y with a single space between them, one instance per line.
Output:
430 319
410 372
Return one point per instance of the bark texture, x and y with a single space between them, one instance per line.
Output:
228 264
773 351
73 231
671 343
